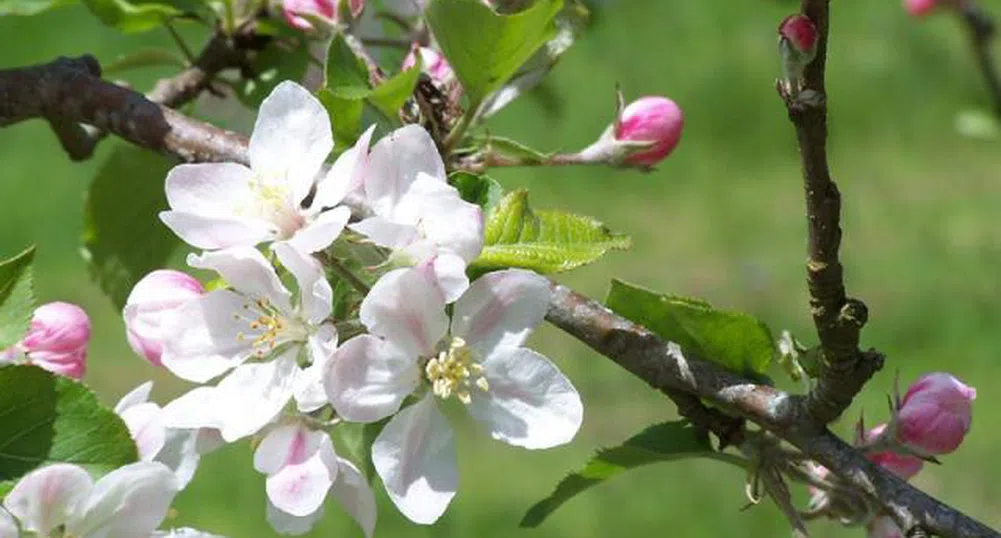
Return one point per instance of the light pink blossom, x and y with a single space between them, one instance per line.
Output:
651 119
920 8
292 11
901 465
158 295
56 340
935 414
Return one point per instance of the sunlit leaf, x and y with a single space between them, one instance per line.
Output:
17 297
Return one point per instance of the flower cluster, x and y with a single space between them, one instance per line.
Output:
274 360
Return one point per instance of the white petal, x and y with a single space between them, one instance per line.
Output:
129 502
253 394
394 164
291 137
346 175
415 457
288 524
8 526
353 492
501 309
136 396
145 423
295 460
445 218
407 310
247 270
308 391
316 296
192 410
320 233
45 498
530 403
386 233
367 379
209 189
207 336
448 271
217 232
180 453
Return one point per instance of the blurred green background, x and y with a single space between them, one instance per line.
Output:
721 219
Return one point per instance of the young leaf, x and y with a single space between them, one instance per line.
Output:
389 96
346 73
123 238
511 148
17 297
45 418
347 80
483 191
734 340
345 117
137 16
485 48
285 58
668 441
147 57
543 241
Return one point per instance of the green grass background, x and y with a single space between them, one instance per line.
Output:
722 219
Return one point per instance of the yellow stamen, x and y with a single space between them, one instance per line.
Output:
454 371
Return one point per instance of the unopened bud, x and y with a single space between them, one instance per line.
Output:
902 465
798 38
153 298
432 62
935 414
297 12
56 340
920 8
643 134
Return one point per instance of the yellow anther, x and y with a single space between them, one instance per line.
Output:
454 371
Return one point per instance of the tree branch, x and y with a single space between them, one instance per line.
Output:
70 90
837 317
982 31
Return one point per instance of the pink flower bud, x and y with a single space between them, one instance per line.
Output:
356 7
293 9
650 119
155 296
935 414
920 8
884 527
899 464
433 63
57 339
801 33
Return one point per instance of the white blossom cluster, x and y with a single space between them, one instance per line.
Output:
266 352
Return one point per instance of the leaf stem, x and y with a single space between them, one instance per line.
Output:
344 273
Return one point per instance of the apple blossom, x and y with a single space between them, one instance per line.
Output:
903 465
254 321
433 63
644 133
129 502
178 449
153 298
56 340
302 469
220 205
417 213
476 357
935 414
798 38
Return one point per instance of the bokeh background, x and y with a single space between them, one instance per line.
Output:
721 219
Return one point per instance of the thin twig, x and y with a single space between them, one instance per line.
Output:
838 318
982 30
343 272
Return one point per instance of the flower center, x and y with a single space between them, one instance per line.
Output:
268 328
454 371
271 203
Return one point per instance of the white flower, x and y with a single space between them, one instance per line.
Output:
302 469
221 205
517 394
224 329
416 212
129 502
178 449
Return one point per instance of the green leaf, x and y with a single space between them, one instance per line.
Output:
543 241
483 191
17 297
5 487
30 7
485 48
357 438
345 117
45 418
668 441
511 148
346 73
734 340
138 16
286 58
389 96
122 242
